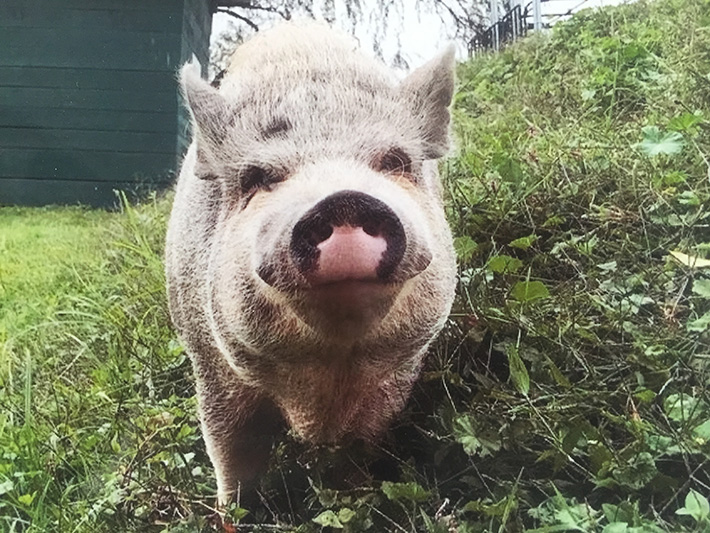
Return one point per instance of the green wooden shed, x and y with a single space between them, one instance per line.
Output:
89 101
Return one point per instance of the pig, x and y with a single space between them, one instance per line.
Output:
309 261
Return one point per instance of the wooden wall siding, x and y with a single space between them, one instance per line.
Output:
88 95
196 29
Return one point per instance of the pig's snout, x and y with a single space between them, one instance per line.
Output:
348 236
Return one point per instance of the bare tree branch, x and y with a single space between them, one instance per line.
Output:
249 5
462 19
239 17
246 4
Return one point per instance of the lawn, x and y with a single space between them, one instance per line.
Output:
42 250
568 392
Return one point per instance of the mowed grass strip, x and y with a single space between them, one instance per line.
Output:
45 254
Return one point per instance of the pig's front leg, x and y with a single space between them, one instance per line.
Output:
239 426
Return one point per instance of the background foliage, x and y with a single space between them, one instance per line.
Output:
567 393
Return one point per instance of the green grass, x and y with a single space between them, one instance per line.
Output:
567 393
90 366
41 251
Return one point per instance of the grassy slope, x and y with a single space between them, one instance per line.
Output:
567 393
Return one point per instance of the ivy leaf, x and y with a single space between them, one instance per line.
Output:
345 515
655 142
328 519
527 291
701 287
699 324
465 247
504 264
474 442
27 499
685 122
680 407
524 242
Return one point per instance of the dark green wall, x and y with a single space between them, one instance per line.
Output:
88 95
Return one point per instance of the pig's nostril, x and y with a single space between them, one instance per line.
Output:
319 233
372 228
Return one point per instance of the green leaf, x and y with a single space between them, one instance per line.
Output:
680 407
690 198
684 122
328 519
700 324
527 291
616 527
701 287
518 371
27 499
524 242
674 177
411 491
465 247
465 435
504 264
600 458
238 513
557 374
645 396
487 507
607 267
345 515
508 168
6 486
655 142
703 431
115 446
625 512
696 505
637 472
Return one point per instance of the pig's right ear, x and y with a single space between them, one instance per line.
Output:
429 91
208 110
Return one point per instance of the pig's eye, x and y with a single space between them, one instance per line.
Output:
255 177
395 161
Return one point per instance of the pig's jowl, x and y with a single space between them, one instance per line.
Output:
309 261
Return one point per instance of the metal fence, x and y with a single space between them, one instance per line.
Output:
509 28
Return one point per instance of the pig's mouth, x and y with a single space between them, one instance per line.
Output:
346 308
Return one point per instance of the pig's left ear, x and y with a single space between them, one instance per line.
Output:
429 90
208 109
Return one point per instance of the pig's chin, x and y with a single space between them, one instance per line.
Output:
346 309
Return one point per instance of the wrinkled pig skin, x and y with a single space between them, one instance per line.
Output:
308 258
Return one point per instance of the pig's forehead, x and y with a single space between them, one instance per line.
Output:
308 88
332 118
318 101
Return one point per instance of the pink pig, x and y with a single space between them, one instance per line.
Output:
309 261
